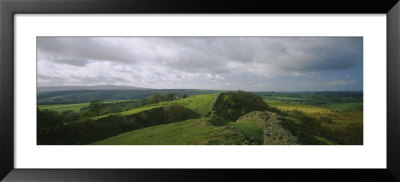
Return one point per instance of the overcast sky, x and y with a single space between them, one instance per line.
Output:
222 63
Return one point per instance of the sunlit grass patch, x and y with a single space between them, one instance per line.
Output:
251 130
192 131
64 107
199 103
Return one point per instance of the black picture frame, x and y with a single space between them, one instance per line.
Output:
8 8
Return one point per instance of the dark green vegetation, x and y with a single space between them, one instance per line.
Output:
232 105
159 117
88 130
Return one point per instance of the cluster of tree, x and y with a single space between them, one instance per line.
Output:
48 120
88 131
156 98
51 119
97 107
232 105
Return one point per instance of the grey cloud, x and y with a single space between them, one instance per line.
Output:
212 54
74 62
329 54
156 60
280 54
85 48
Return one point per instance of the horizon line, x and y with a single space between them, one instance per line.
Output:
144 88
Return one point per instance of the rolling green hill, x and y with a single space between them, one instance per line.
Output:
189 132
201 130
200 119
88 130
198 103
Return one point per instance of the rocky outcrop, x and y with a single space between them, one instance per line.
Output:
275 130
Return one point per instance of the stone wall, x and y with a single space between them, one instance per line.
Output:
275 131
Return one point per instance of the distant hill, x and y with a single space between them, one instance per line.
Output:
96 87
82 96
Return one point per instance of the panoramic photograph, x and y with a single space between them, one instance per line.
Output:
199 91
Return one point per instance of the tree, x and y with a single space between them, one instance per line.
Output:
185 96
96 107
169 97
69 116
48 118
155 98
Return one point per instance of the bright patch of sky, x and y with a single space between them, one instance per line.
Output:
221 63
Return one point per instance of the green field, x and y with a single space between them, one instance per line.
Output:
189 132
308 109
346 107
64 107
345 113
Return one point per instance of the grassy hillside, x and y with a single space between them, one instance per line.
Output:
134 111
198 103
189 132
89 130
202 130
